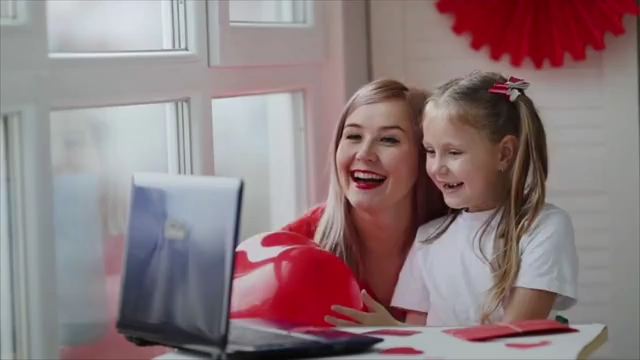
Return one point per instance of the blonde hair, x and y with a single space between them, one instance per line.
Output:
468 100
335 231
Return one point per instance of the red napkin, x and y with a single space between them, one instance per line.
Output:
501 330
392 332
401 351
525 346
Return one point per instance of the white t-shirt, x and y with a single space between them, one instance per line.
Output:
449 278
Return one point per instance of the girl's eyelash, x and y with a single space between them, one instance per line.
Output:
450 152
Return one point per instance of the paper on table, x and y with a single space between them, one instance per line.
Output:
501 330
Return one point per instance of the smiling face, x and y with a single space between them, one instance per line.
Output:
462 161
377 155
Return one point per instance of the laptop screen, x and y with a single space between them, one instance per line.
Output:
181 238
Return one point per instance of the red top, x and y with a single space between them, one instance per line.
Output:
306 226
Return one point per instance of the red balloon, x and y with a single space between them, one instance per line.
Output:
284 276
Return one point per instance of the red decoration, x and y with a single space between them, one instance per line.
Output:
502 330
538 29
286 277
511 88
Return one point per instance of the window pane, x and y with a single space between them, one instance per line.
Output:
7 330
267 11
7 9
94 153
260 138
80 26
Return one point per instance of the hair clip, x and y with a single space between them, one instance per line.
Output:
512 88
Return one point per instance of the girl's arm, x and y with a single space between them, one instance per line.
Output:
411 293
527 304
548 276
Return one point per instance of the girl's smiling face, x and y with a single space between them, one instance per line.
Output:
463 162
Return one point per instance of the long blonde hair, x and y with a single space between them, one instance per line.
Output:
335 231
468 100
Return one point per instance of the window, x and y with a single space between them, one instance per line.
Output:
267 12
80 26
245 32
8 9
260 138
7 331
13 12
94 153
116 87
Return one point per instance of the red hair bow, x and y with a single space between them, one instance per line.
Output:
512 88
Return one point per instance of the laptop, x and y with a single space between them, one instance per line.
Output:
177 276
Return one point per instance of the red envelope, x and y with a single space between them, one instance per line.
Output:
501 330
392 332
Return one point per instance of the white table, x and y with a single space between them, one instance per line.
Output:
437 345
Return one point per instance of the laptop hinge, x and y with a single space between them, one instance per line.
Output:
204 352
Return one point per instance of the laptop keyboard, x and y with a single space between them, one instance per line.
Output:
244 335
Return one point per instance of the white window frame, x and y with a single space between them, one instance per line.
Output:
20 14
7 335
23 91
297 155
244 44
34 82
29 221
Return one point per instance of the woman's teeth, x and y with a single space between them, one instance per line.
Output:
365 176
452 185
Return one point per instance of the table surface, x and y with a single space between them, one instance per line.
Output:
437 345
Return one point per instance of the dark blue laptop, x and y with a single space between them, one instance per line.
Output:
176 285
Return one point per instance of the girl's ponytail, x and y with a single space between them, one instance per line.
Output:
527 195
531 165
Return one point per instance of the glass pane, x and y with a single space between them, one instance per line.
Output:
258 138
81 26
7 344
8 9
94 153
267 11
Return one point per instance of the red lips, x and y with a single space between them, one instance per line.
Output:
284 276
362 182
367 186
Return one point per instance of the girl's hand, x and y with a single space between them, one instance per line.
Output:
377 315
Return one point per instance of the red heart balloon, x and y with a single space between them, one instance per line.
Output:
284 276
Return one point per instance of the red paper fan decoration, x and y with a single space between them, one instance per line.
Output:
538 29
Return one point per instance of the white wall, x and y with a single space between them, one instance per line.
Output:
591 113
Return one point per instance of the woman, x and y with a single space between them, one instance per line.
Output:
379 192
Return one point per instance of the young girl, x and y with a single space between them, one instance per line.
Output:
503 254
